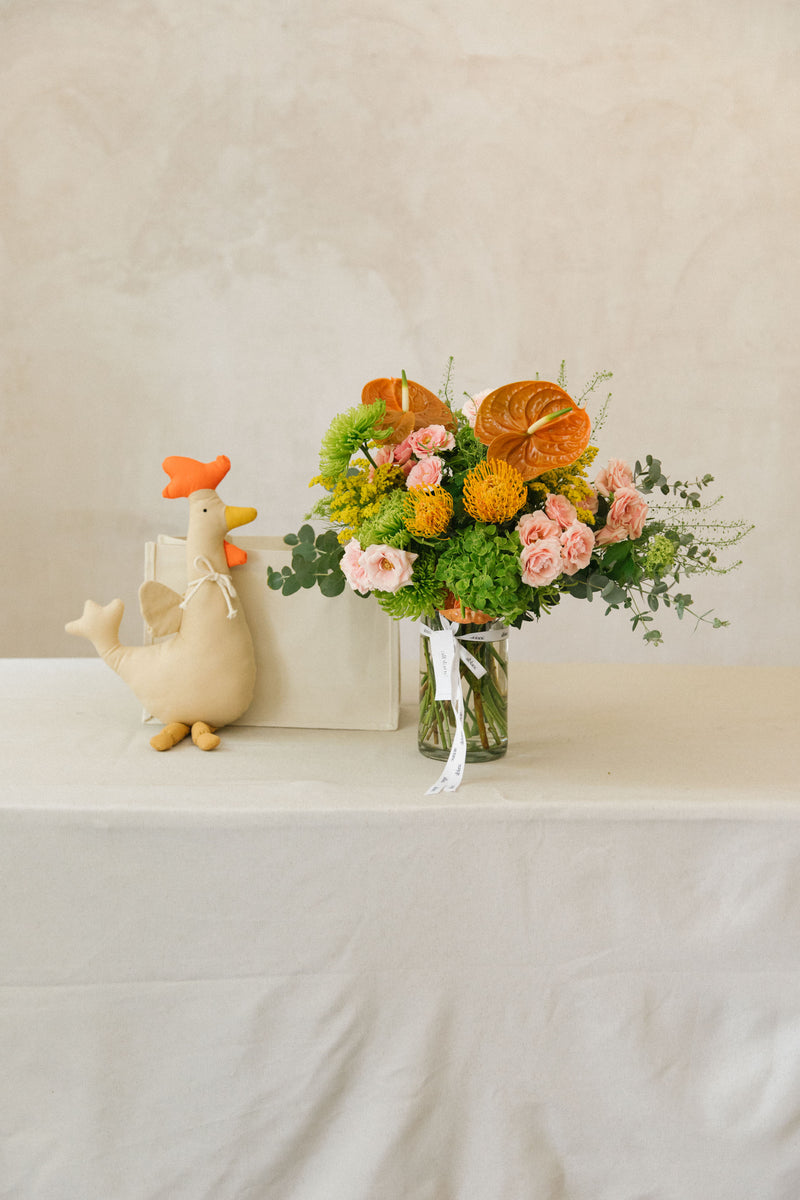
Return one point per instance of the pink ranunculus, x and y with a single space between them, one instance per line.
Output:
629 510
430 440
386 568
559 509
353 567
613 477
426 473
535 526
541 562
470 407
577 543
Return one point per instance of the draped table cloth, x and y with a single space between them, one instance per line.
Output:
281 972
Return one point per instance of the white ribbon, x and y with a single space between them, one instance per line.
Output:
224 582
447 654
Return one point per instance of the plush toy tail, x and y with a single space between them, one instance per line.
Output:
100 624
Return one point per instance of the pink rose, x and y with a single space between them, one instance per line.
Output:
470 407
559 509
533 527
577 543
626 517
590 502
429 440
613 477
541 562
403 452
426 473
628 510
610 534
353 568
381 457
386 568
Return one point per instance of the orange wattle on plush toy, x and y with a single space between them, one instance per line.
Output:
202 676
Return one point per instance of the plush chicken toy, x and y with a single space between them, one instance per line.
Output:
203 676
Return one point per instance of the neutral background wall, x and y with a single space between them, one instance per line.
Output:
219 218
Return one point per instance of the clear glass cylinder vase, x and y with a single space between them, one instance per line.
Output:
485 697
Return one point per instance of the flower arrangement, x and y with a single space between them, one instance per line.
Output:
490 515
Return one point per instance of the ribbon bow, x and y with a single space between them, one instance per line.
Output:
447 654
224 582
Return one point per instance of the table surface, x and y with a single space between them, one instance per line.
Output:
281 970
667 739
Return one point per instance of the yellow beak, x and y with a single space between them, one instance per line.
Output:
239 516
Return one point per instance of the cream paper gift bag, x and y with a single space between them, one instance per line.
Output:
321 663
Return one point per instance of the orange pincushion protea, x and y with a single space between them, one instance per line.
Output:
427 511
533 425
494 491
423 408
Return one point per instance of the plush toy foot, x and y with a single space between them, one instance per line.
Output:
170 736
203 736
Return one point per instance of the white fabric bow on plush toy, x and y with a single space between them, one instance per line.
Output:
203 677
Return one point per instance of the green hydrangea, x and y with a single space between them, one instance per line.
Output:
660 555
481 568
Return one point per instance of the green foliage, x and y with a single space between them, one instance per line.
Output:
649 477
315 562
467 454
446 390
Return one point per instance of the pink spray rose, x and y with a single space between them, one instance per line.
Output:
626 517
613 477
533 527
430 440
386 568
426 473
353 568
541 562
403 452
590 502
559 509
470 407
609 534
577 542
381 456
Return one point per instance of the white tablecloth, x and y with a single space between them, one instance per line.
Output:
281 972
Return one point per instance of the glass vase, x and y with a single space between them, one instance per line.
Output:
485 697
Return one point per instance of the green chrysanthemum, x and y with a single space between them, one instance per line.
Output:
424 594
387 526
348 432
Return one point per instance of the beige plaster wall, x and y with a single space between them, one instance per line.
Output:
218 219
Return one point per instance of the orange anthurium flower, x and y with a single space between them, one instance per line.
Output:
534 426
421 407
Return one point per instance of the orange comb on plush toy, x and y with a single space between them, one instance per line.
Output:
202 677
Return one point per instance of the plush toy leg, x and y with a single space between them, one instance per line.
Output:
170 735
203 736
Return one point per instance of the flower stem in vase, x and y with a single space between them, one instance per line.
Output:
484 696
